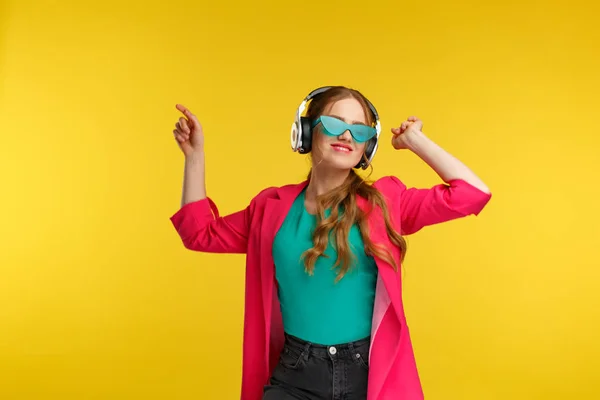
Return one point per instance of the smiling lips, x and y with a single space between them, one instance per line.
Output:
341 147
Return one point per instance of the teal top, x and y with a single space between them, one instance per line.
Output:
316 308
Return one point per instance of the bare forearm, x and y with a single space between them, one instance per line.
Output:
443 163
194 183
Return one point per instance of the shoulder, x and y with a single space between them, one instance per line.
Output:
390 186
265 193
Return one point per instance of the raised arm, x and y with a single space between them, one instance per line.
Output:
461 194
190 138
198 222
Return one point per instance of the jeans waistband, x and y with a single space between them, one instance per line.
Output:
343 350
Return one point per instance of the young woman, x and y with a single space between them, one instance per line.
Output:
324 317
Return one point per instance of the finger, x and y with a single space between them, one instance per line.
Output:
412 118
189 115
185 111
181 132
396 131
178 136
181 108
183 125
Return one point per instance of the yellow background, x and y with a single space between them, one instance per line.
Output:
99 299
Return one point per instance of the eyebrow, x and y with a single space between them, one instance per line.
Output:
353 122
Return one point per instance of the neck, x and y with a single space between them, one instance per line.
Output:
322 181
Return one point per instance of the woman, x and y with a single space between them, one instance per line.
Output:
323 314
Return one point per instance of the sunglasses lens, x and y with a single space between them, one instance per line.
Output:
335 127
362 133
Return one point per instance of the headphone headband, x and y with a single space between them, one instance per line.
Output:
323 89
301 132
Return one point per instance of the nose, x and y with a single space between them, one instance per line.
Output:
345 136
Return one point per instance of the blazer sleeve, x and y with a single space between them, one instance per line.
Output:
201 228
421 207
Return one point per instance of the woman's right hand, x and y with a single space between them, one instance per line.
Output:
188 132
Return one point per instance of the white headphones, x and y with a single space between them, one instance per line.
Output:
301 132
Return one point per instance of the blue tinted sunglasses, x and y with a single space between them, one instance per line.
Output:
335 127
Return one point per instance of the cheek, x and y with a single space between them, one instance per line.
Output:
319 141
360 148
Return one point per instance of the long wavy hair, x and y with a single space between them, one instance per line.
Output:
343 205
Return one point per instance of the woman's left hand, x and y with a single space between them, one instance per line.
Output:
407 132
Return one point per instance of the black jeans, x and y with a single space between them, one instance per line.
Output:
309 371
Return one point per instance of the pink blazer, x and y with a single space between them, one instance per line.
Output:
392 368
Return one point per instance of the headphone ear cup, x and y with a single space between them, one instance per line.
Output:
306 132
369 147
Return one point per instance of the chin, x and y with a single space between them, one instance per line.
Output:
337 162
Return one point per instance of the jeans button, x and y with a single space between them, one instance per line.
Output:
332 350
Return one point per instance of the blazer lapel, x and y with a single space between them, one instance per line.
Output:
385 270
276 209
388 297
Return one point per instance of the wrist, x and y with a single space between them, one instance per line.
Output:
415 141
194 157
